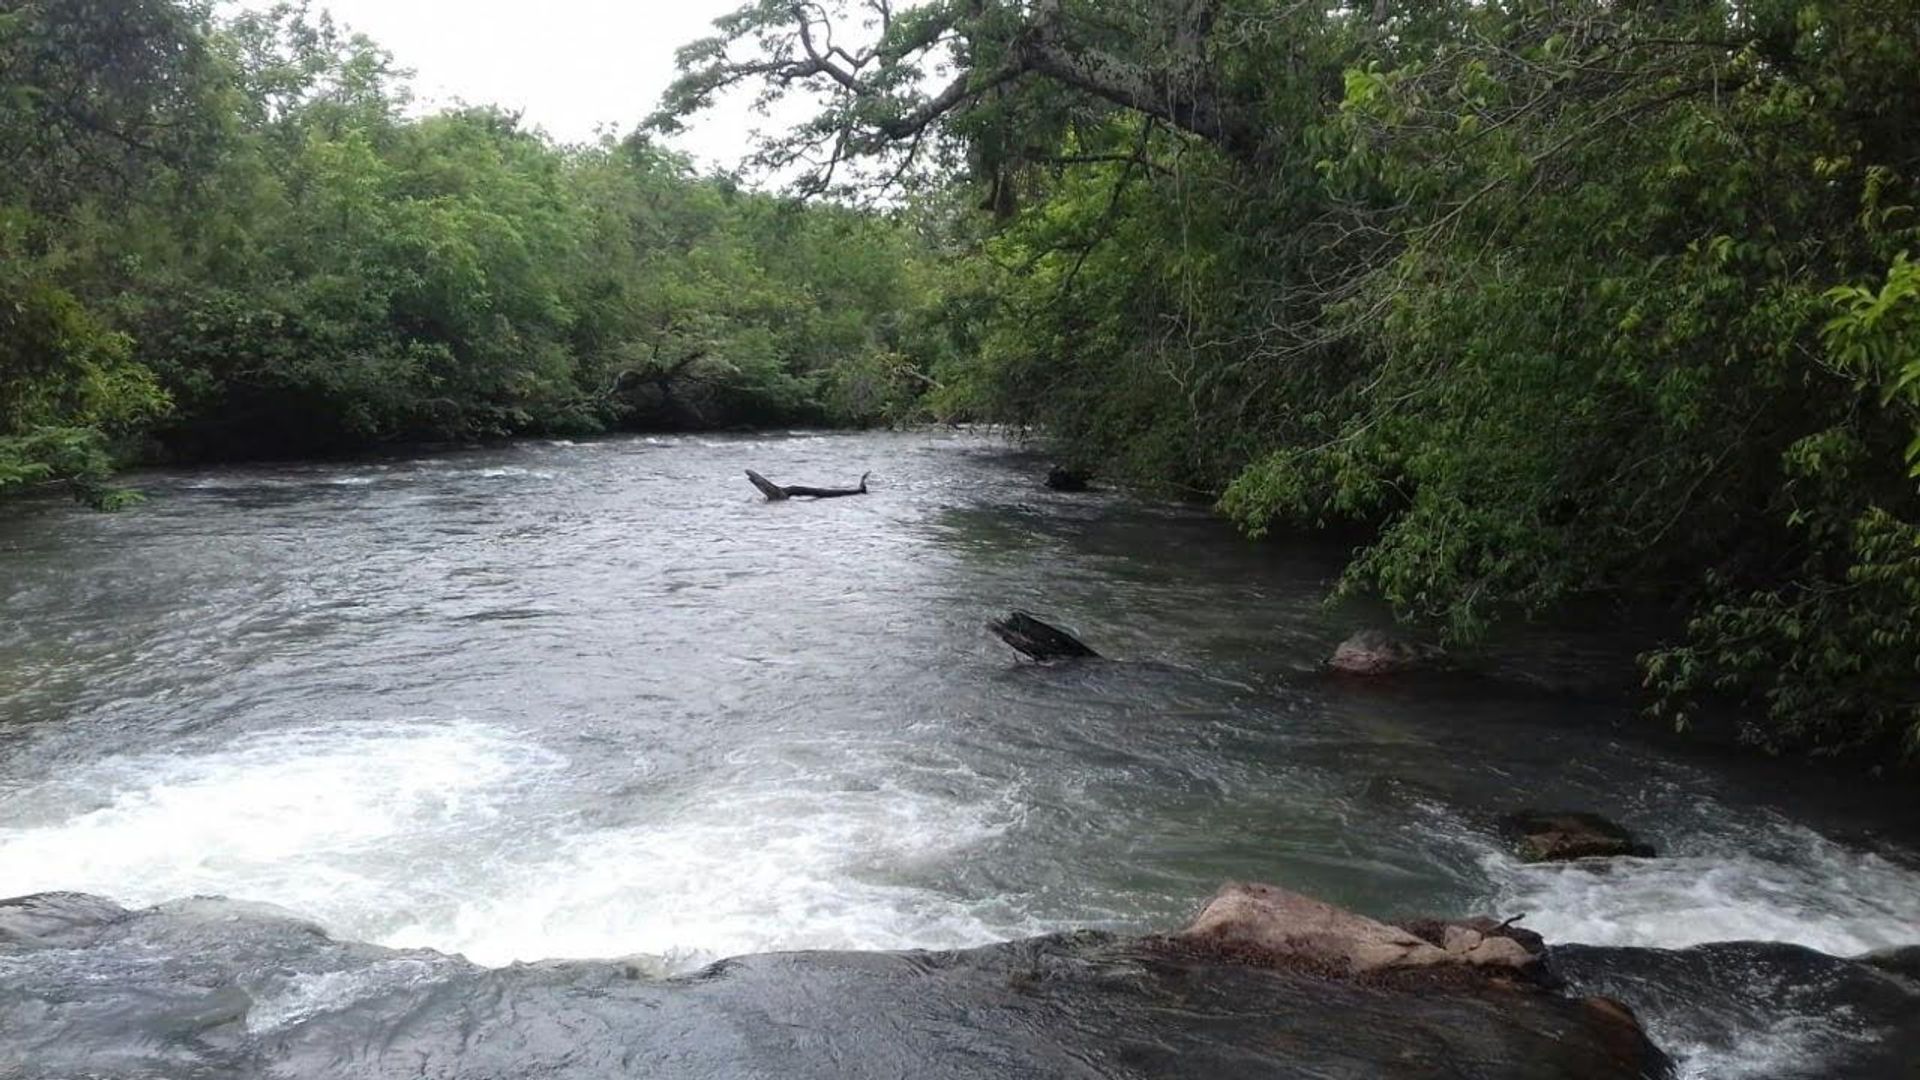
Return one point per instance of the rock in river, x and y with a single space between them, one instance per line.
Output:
1376 652
1286 929
1563 835
210 988
1067 478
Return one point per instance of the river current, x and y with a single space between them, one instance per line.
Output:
599 699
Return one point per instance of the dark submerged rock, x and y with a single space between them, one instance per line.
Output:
1377 652
1563 835
211 989
1402 792
1064 478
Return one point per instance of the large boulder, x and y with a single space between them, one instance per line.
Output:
1476 963
1564 835
1280 928
1377 652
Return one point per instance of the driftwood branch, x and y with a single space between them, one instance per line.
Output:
775 492
1033 638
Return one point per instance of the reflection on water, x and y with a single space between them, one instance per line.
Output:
600 699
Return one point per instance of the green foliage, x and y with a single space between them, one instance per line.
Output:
1877 335
237 218
1549 301
1826 664
98 95
1608 359
68 388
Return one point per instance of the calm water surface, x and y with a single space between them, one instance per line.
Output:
562 700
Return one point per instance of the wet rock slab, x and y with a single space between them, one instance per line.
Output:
1761 1009
209 988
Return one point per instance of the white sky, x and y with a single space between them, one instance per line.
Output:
566 65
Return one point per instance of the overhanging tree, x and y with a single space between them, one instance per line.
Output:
892 82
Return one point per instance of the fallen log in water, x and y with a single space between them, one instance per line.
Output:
775 492
1031 637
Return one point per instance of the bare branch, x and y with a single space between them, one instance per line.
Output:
876 95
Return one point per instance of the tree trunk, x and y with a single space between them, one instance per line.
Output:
774 492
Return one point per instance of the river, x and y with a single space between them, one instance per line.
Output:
574 700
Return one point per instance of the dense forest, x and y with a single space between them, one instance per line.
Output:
1545 300
230 239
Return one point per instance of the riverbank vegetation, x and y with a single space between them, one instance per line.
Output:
230 239
1546 301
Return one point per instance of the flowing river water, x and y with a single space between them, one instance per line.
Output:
556 700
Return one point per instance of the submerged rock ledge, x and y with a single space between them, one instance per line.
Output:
217 988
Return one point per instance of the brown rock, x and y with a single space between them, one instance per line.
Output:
1434 931
1288 929
1376 652
1560 836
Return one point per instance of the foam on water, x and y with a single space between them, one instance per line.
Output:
1786 884
798 841
1775 882
445 836
768 862
323 821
